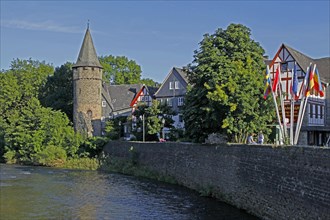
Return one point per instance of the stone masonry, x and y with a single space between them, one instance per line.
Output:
87 88
271 183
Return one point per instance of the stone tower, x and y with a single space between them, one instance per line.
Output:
87 89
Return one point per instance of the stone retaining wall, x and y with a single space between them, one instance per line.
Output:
272 183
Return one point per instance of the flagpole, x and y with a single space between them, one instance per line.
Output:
304 108
282 105
292 110
303 91
299 118
291 122
276 107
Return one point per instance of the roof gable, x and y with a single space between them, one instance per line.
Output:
304 61
175 73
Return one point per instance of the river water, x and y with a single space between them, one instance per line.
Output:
48 193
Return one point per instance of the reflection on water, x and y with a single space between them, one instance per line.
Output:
47 193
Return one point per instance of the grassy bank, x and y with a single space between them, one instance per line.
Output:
81 163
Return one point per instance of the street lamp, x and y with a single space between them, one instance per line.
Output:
163 134
143 127
119 133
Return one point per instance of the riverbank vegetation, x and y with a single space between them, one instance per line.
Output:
36 102
35 128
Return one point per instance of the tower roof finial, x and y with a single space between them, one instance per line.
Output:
88 24
87 55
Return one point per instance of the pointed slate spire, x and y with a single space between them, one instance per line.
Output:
87 55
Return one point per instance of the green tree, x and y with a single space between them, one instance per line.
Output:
152 117
27 128
167 113
150 83
31 76
227 78
57 93
32 128
120 70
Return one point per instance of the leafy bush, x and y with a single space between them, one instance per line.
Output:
84 163
10 157
92 147
51 156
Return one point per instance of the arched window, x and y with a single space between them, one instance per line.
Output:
90 113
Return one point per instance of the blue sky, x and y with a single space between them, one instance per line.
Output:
158 35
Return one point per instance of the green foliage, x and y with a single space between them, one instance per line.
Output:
120 70
57 93
36 127
167 113
152 118
83 163
149 82
111 130
114 127
176 134
227 78
10 157
26 127
92 147
30 75
50 156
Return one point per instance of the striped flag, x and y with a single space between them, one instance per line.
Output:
276 78
267 83
317 83
310 81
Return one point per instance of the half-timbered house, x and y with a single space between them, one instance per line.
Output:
315 129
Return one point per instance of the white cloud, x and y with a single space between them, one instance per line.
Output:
39 26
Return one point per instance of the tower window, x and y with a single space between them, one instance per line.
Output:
103 104
90 113
79 91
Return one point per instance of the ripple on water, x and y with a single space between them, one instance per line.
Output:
71 194
4 184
